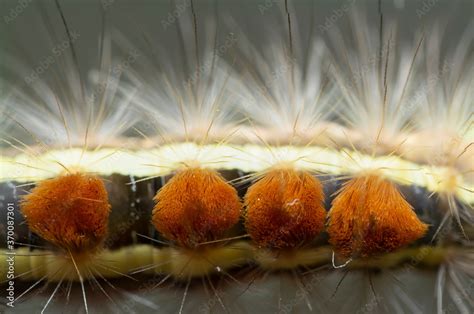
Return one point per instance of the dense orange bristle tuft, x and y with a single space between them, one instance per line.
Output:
197 205
284 209
69 211
370 216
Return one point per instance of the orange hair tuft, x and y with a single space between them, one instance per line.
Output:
197 205
285 209
69 211
370 216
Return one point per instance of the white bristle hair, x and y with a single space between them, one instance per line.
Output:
182 103
6 122
286 93
454 288
444 111
376 78
206 110
444 123
63 109
380 292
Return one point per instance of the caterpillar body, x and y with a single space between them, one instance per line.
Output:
309 172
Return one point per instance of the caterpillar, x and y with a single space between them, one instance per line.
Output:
321 165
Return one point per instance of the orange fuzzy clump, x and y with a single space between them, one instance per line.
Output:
69 211
370 216
284 209
197 205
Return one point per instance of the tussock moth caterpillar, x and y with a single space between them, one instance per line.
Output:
305 169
